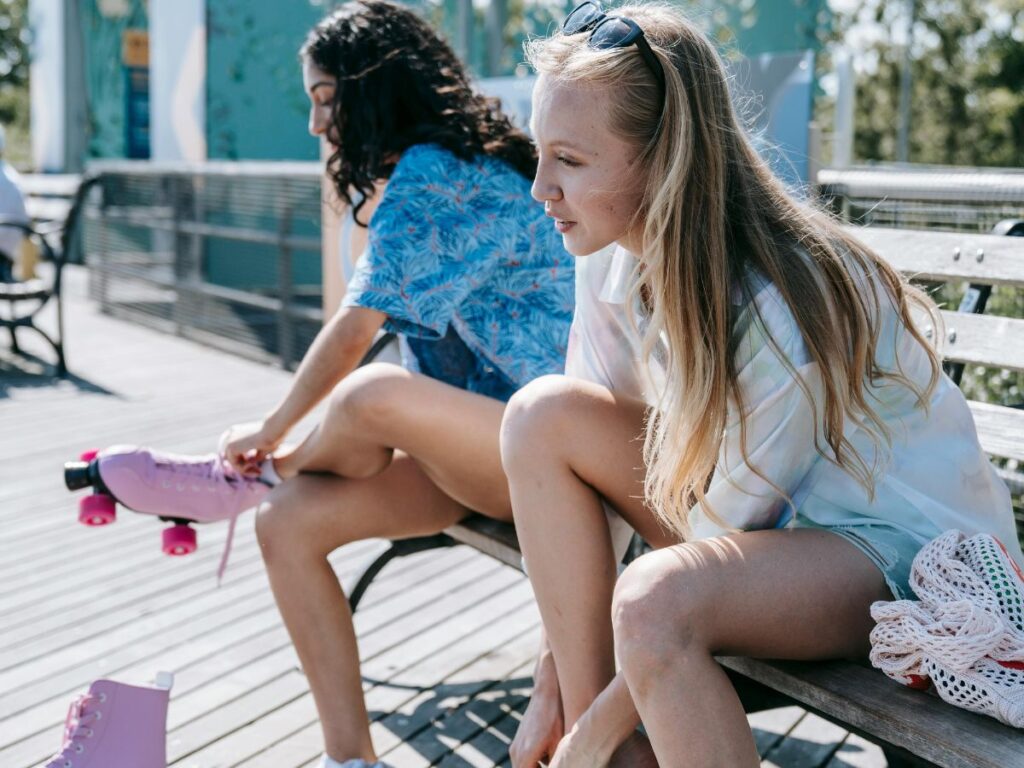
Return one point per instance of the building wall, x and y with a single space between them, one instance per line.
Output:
255 106
178 79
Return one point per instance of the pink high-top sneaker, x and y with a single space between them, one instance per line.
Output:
117 726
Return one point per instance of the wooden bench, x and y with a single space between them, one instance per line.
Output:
913 728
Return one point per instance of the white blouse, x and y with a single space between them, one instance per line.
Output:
934 477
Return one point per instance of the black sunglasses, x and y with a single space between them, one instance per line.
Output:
612 32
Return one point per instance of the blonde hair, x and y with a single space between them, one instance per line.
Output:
713 212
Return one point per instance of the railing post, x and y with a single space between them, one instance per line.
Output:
188 248
99 282
285 326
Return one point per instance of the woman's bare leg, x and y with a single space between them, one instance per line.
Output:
399 455
796 594
303 521
380 408
565 444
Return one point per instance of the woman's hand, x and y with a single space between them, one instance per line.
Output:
246 446
577 750
541 728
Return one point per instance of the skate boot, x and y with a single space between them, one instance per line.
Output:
117 726
179 489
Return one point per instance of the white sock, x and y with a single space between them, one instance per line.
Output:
269 476
327 762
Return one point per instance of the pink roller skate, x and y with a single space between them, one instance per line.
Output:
117 726
178 489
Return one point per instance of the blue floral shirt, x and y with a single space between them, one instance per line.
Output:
458 246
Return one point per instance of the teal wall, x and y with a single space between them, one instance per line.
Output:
255 107
764 26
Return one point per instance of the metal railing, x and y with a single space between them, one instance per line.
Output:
921 197
225 253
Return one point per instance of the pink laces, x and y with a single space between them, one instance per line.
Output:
215 472
75 729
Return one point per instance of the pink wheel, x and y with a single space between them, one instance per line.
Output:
97 509
179 540
89 455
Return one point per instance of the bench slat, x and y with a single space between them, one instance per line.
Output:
491 537
1000 429
872 703
929 255
983 340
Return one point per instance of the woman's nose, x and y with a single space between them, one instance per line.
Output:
544 190
317 123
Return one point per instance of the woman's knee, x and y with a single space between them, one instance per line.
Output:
367 397
535 417
283 525
661 609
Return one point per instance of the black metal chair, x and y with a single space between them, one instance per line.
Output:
21 301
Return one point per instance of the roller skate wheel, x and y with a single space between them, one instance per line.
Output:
179 540
89 455
97 509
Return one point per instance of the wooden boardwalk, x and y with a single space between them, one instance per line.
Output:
447 637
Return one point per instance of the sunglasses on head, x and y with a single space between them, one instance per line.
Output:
608 32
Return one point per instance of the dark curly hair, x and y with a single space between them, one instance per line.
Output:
400 84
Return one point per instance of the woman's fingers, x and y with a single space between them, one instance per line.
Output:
526 753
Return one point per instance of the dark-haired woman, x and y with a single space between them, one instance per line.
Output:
461 262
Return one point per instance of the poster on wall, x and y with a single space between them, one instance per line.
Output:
135 62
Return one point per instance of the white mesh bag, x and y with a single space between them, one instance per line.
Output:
965 635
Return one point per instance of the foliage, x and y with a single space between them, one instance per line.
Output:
967 104
14 39
14 62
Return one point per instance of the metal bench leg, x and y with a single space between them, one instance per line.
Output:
898 758
398 548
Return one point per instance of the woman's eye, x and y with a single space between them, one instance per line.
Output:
567 161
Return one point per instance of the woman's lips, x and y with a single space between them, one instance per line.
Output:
564 226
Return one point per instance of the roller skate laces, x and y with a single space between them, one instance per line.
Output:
197 488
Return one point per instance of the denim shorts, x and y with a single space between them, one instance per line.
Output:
448 359
891 549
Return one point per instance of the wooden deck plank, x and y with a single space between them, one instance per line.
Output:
771 726
857 752
809 745
433 722
230 667
447 643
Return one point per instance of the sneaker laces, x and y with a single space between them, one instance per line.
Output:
75 729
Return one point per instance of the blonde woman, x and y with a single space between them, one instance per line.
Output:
750 394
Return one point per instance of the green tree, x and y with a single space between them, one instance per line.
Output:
14 65
967 71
